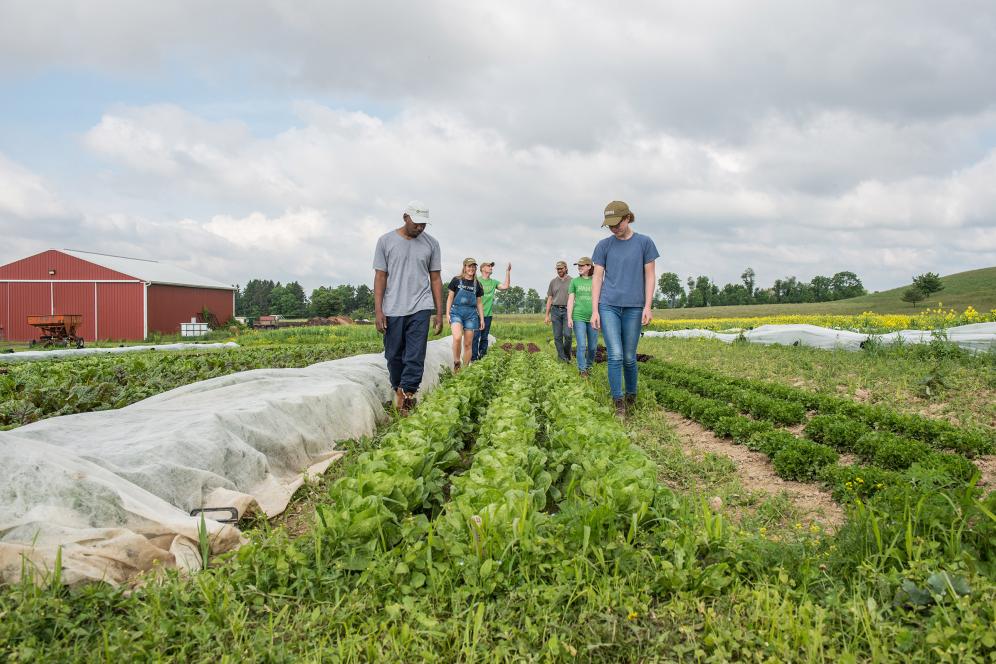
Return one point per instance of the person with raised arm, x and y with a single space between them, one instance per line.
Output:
479 347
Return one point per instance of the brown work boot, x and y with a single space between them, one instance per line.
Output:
630 401
408 404
399 399
620 408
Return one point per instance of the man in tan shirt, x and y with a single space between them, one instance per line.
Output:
556 311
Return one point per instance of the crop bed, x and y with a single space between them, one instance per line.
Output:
36 390
893 447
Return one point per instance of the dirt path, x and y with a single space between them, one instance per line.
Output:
986 466
755 471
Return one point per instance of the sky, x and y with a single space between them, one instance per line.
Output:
243 139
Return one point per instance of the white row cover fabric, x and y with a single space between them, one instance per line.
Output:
977 337
31 355
114 489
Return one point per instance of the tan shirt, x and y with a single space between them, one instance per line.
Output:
558 290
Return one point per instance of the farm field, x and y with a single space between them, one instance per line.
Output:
760 504
975 288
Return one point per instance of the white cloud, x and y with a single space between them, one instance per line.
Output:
25 195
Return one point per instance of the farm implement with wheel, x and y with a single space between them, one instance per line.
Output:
58 329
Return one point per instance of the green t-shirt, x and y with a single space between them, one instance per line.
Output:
488 300
581 288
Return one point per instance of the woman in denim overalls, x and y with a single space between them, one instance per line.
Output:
465 310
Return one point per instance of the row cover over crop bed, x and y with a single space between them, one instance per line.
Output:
37 390
110 493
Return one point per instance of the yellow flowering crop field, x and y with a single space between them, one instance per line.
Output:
926 319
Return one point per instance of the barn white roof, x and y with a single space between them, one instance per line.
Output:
148 270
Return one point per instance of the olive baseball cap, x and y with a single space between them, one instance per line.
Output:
469 261
562 264
584 260
614 212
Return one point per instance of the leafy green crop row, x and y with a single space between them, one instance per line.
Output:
501 497
937 433
794 458
32 391
408 474
748 400
883 448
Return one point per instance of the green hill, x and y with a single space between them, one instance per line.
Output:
975 287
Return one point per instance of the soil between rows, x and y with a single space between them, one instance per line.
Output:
756 472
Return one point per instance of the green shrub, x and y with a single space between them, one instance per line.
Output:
714 413
850 482
955 466
967 442
800 459
837 431
890 451
770 441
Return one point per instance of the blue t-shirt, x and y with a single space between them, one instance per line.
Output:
623 261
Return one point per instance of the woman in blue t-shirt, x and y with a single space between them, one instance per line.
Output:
622 290
464 308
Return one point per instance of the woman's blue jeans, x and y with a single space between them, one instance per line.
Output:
587 339
621 331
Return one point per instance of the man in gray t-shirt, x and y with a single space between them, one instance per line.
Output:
407 288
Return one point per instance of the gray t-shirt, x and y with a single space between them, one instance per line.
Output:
408 264
558 289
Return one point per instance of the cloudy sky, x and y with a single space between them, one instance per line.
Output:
273 139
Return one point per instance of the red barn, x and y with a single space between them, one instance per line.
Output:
119 298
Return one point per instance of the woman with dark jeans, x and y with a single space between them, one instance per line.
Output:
622 291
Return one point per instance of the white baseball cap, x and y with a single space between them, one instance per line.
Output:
418 211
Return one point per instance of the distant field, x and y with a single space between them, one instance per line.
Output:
976 288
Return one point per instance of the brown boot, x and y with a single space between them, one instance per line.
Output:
408 405
399 399
620 408
630 401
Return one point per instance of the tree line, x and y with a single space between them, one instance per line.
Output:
265 297
262 297
703 292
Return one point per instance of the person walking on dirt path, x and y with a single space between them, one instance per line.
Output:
407 288
579 316
622 289
465 311
479 346
556 311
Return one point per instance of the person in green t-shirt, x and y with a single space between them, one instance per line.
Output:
479 347
579 316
